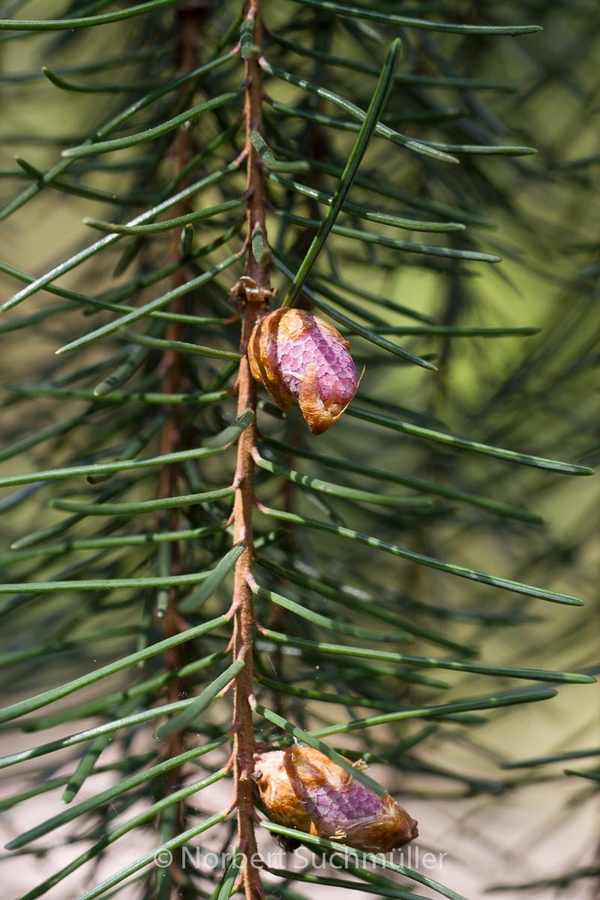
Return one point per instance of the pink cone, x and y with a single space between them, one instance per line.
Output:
303 361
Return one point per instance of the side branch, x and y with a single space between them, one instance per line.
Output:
174 381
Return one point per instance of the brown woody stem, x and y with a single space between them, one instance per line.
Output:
174 381
257 273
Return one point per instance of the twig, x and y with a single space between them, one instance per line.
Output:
173 381
254 289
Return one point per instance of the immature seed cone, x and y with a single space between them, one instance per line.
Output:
302 788
303 361
277 796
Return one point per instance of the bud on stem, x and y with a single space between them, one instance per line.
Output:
303 361
303 789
